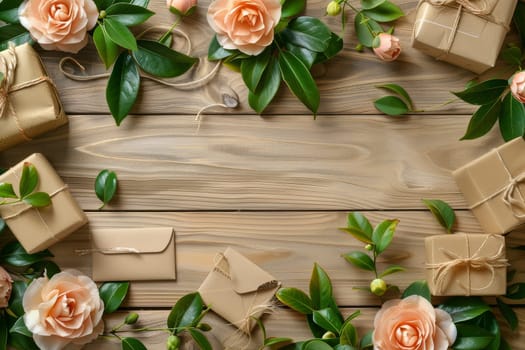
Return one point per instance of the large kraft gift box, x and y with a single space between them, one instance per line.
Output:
467 33
29 103
466 264
494 187
39 228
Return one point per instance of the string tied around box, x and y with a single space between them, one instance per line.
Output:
112 250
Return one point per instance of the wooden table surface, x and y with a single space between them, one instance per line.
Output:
277 187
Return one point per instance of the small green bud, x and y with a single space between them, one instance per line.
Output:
333 8
359 48
378 287
173 342
204 327
102 14
369 247
131 318
329 335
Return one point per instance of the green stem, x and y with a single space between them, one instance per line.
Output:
436 106
5 202
116 328
176 23
372 32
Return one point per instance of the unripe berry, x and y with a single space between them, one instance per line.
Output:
378 287
333 8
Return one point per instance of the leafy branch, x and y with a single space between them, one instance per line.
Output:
26 189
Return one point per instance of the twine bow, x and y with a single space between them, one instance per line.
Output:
476 261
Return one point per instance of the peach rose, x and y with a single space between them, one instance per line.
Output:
59 24
6 286
63 310
389 48
517 86
181 7
245 25
412 324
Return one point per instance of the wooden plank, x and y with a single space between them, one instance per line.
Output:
248 163
346 83
286 244
282 323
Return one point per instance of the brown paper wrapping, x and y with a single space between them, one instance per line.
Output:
477 40
37 108
37 229
472 264
486 181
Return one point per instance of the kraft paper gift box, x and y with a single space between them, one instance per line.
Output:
29 103
137 254
494 187
466 264
467 33
39 228
237 289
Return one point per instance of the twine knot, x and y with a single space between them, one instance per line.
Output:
476 7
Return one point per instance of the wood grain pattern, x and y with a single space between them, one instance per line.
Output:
247 163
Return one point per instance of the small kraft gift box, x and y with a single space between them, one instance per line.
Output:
467 33
29 103
494 187
466 264
39 228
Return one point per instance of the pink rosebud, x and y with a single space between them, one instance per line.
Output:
517 86
389 48
6 285
181 7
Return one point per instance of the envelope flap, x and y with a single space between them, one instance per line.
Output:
125 241
247 277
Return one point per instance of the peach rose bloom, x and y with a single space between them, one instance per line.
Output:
389 48
182 6
6 286
59 24
412 324
63 310
517 86
245 25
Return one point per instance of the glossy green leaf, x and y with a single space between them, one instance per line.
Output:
316 345
38 268
488 322
316 330
14 33
292 8
335 45
391 105
519 21
20 327
483 93
9 10
512 118
15 255
200 339
123 87
307 32
360 260
120 34
17 295
132 344
483 120
268 87
361 26
366 341
107 50
512 55
359 222
328 320
22 342
2 225
391 270
418 288
128 14
399 90
274 341
385 12
383 235
349 335
37 199
161 61
186 311
320 288
295 299
306 56
7 191
106 185
166 40
516 291
299 80
463 309
472 338
216 51
252 69
442 212
28 180
113 294
142 3
370 4
103 4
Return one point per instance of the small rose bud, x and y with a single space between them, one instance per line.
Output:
204 327
131 318
173 342
333 8
369 247
517 86
329 335
378 287
181 7
386 47
102 14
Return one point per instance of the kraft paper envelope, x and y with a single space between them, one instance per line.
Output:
238 290
134 254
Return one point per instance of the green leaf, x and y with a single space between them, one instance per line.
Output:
391 105
128 14
483 93
216 51
316 330
335 45
472 338
328 320
161 61
418 288
123 87
273 341
28 180
307 32
103 4
296 299
362 31
38 199
299 80
268 87
200 339
167 40
4 332
512 118
306 56
132 344
252 69
519 21
320 288
442 212
120 34
292 8
462 309
106 185
21 342
360 260
9 10
14 33
185 311
483 120
2 225
20 328
17 295
107 50
366 341
390 270
386 12
488 322
15 255
316 345
7 191
349 335
399 90
516 291
370 4
359 224
47 266
512 55
383 235
113 294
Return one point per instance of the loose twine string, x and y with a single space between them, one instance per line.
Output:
476 261
113 250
